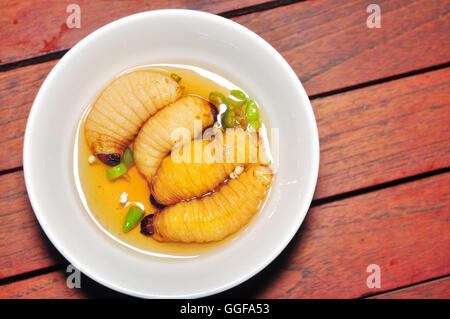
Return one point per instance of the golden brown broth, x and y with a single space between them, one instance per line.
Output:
101 196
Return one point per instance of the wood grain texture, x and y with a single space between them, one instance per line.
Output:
18 89
23 245
33 28
367 136
326 42
50 286
404 229
436 289
384 132
330 46
54 286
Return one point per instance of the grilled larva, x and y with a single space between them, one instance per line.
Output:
123 107
175 181
215 216
154 140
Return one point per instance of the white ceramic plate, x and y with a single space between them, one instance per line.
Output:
168 36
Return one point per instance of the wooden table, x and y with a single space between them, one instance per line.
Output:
381 98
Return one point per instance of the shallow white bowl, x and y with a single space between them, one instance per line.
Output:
168 36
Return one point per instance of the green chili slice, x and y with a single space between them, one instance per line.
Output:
229 119
237 98
116 171
175 77
253 126
217 99
251 111
128 158
133 217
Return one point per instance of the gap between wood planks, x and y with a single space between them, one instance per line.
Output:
381 80
257 8
31 274
377 187
388 292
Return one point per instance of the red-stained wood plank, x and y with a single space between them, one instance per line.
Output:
33 28
436 289
384 132
49 286
367 136
23 244
17 91
330 46
327 42
404 229
54 286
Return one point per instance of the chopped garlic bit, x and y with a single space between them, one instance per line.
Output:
91 159
123 198
237 171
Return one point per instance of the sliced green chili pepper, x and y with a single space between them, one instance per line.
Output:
176 77
253 126
229 119
128 158
116 171
240 116
237 98
217 99
239 112
251 111
134 215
